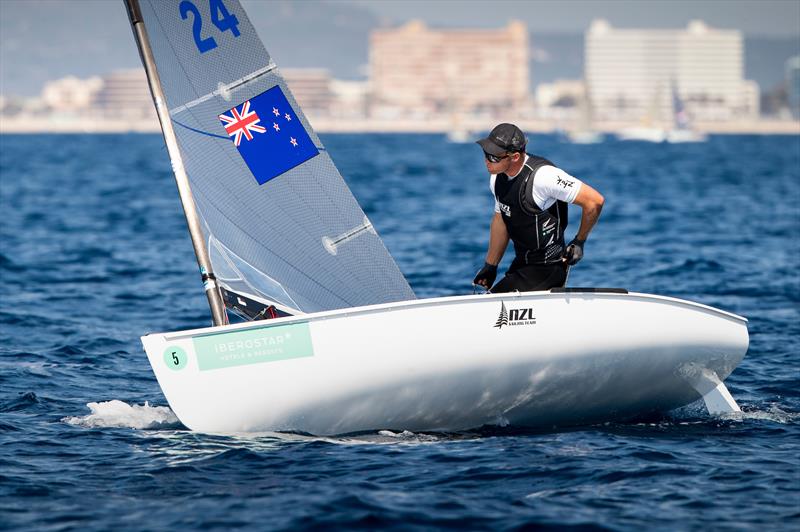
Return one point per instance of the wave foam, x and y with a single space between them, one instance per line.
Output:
407 436
772 413
119 414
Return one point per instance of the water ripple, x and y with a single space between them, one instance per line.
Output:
83 418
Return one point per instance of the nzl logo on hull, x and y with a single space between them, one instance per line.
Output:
515 316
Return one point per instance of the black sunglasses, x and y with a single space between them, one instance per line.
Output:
495 158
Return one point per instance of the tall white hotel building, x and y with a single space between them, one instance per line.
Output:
631 73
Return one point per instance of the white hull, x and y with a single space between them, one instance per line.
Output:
460 136
585 137
673 136
681 136
443 364
643 134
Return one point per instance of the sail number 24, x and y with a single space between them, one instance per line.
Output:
220 17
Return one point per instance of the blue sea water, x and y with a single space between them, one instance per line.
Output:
94 253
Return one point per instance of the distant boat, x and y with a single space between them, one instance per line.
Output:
457 131
643 134
460 136
585 137
647 132
655 134
680 132
585 133
679 136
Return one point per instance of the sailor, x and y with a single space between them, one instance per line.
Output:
531 196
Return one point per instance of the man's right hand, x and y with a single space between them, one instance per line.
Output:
486 276
574 251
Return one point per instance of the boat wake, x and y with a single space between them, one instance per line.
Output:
695 414
119 414
772 413
408 436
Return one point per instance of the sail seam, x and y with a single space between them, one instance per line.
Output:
200 131
225 90
190 128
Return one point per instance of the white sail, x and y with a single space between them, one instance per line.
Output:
280 222
682 129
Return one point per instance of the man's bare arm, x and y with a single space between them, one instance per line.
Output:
591 203
498 240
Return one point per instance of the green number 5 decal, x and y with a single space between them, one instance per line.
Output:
175 357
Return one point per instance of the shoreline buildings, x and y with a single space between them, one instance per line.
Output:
118 101
633 74
416 71
311 87
428 79
125 95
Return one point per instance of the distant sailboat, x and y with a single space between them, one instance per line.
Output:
585 137
643 134
647 132
457 132
682 130
584 133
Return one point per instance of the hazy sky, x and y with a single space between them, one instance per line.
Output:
753 17
41 40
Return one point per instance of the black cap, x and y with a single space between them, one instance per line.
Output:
504 138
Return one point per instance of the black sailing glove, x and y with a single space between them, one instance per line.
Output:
574 251
486 276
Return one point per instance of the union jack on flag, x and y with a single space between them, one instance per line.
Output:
282 142
242 123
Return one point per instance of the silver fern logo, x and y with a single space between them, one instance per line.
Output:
515 316
503 319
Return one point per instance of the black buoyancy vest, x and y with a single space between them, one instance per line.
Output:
538 234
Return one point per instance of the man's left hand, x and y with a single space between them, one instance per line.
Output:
574 251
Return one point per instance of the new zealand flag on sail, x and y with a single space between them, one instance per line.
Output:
268 135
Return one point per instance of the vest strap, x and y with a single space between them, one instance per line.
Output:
526 201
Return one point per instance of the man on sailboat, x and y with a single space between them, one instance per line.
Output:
531 196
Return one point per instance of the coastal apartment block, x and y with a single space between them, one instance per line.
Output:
636 74
416 71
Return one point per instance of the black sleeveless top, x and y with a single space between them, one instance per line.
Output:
538 235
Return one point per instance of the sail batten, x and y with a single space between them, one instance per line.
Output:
225 90
266 190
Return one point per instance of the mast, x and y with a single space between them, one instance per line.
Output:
184 190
